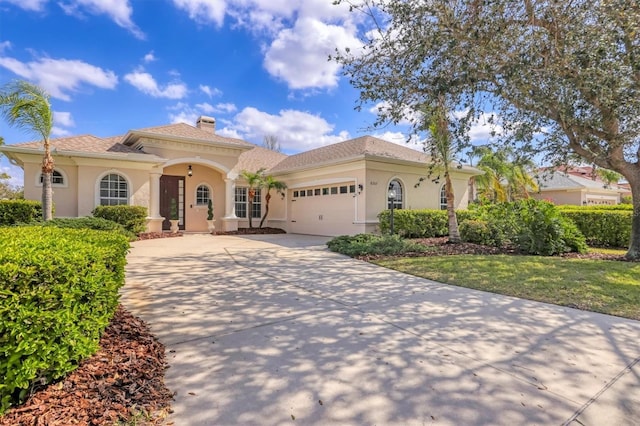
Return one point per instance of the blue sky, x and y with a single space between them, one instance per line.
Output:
258 66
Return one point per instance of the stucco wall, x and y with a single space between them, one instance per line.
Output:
195 215
226 158
420 190
89 186
561 197
64 196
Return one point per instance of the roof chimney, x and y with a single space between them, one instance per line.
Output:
207 124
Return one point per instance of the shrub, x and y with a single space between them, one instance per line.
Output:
95 223
544 231
133 218
602 227
425 223
479 232
59 291
532 226
371 244
19 211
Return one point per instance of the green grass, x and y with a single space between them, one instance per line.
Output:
607 250
609 287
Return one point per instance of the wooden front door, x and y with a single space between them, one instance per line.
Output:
171 188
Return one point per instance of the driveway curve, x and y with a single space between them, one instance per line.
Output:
276 330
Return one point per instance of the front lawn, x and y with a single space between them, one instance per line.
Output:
609 287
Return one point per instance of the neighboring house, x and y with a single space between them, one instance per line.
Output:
564 187
333 190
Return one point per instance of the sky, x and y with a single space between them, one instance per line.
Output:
259 67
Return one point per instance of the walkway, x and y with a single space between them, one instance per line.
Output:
274 329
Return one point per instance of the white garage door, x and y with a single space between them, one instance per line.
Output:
323 210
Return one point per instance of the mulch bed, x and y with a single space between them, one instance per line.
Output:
441 246
154 235
122 382
253 231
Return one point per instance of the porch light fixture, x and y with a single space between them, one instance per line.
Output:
190 171
392 199
360 188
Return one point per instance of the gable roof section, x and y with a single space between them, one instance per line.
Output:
183 131
365 146
555 181
256 159
83 143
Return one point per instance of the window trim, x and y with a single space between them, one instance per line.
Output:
398 202
443 197
195 198
65 179
126 178
257 202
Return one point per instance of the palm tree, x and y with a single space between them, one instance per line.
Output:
506 177
269 183
26 106
440 146
254 180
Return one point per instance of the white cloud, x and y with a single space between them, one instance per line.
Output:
210 91
298 35
59 131
203 11
63 119
32 5
61 76
145 82
299 55
149 57
4 45
119 11
410 116
184 113
401 139
15 173
296 130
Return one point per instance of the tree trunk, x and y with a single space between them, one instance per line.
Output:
454 233
634 245
47 193
267 198
250 210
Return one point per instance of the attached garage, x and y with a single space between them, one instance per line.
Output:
323 210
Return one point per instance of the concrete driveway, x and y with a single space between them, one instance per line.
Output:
276 330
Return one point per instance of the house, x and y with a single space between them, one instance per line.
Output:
333 190
577 186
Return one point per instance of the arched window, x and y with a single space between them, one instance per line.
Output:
57 178
443 197
398 202
203 195
114 190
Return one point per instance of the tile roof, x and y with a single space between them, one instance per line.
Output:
183 130
258 158
353 148
84 143
561 180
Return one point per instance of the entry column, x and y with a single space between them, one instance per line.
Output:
154 221
230 220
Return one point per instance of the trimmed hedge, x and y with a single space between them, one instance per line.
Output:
58 291
95 223
602 227
19 211
133 218
371 244
426 223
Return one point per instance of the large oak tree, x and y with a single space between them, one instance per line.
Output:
563 76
